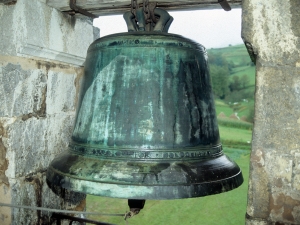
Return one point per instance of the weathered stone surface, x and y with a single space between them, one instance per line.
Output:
4 180
3 160
33 143
8 34
282 207
32 190
277 88
37 103
5 212
256 222
28 142
21 91
282 167
277 130
58 37
275 145
296 173
270 27
61 92
258 195
36 92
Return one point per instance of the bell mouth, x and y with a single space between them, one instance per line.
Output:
169 178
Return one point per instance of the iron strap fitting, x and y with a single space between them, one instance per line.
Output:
134 6
77 9
59 217
224 4
148 9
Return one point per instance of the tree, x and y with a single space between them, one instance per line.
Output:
219 78
235 84
217 60
250 115
245 81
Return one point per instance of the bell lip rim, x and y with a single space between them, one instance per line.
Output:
221 162
230 179
232 182
144 185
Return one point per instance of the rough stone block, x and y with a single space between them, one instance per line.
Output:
280 169
5 212
296 172
256 222
277 89
33 143
276 41
59 131
282 207
59 36
296 213
25 193
21 91
8 30
258 194
276 133
33 191
61 92
37 102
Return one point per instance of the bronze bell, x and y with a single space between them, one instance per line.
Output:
146 127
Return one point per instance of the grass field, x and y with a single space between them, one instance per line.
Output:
223 107
241 108
239 135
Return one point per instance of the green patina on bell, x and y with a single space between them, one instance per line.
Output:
146 127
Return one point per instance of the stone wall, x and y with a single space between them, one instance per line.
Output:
41 56
271 32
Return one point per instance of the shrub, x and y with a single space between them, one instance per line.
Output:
236 144
226 122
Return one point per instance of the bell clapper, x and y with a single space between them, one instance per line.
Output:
135 206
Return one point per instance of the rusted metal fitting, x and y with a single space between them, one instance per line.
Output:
59 217
76 9
224 5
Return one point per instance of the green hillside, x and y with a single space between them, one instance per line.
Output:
236 54
233 81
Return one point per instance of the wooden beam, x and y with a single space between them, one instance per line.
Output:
109 7
8 2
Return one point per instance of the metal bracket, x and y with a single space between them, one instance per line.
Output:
224 5
76 9
59 217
